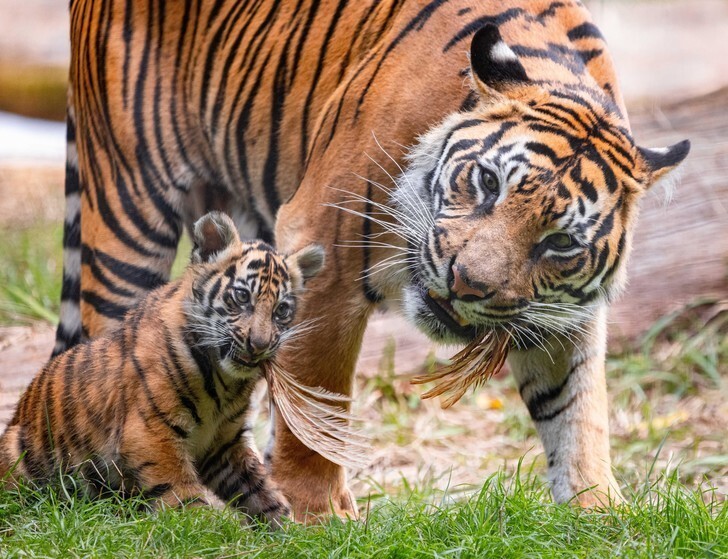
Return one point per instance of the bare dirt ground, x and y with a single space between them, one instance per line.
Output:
677 257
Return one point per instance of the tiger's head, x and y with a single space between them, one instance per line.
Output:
520 211
244 294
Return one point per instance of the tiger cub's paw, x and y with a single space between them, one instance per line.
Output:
187 496
275 508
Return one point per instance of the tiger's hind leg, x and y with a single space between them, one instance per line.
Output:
11 465
137 158
128 244
565 392
238 477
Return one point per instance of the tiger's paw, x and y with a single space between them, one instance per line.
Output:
597 498
315 487
313 507
276 512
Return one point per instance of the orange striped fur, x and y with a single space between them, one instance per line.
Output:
481 150
159 405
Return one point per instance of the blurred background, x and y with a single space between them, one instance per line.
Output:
669 353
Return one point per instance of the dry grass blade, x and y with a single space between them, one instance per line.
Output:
318 418
474 364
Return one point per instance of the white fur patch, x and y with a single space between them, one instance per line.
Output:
72 262
71 155
70 315
502 53
73 207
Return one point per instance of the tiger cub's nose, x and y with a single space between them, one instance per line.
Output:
463 288
257 346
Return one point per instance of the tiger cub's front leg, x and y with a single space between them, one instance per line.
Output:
565 391
162 466
236 475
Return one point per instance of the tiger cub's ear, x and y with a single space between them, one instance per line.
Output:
213 233
308 261
493 63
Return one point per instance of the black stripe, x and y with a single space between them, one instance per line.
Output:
205 367
227 21
103 306
213 464
414 25
110 220
341 4
558 411
542 149
270 166
370 293
476 24
232 56
135 275
160 415
584 31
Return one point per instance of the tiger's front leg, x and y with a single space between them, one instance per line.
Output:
326 357
332 316
161 466
565 391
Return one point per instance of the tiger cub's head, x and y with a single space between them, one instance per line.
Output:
243 294
520 212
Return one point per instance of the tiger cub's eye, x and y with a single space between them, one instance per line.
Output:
489 181
283 311
241 296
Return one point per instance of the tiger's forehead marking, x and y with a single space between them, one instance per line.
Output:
569 155
260 270
549 148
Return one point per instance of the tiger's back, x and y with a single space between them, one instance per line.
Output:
190 107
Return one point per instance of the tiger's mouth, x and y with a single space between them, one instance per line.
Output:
447 315
230 350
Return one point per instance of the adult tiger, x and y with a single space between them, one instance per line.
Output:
525 197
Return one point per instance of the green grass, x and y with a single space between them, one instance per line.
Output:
31 268
509 517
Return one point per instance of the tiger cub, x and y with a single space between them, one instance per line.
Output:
159 405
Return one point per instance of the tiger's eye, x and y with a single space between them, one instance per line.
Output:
241 296
283 311
489 180
561 241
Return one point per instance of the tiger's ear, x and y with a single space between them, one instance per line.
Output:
493 63
660 163
213 233
309 261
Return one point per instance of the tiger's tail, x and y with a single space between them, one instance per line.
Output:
69 329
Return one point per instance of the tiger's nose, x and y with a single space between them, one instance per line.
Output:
257 346
465 289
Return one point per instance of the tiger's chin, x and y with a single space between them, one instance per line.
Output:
237 364
434 319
